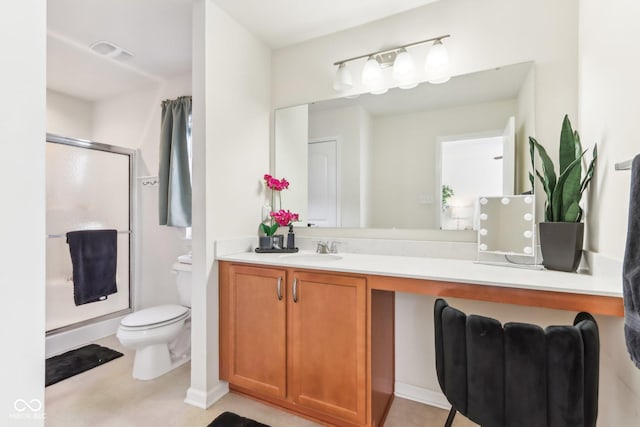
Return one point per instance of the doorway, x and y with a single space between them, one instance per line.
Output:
473 165
323 183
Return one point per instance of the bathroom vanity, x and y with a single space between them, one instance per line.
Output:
314 334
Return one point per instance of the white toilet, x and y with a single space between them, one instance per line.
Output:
161 335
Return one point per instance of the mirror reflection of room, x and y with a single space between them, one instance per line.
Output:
472 165
382 161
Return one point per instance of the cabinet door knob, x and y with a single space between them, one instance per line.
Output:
279 289
295 290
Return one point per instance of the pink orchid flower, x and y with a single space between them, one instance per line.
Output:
275 184
284 218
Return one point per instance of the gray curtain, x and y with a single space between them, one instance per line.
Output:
174 175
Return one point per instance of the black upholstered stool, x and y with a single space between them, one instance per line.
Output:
519 375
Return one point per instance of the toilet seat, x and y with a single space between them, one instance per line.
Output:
155 317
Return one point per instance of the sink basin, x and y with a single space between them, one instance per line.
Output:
312 257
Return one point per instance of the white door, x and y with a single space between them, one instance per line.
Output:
323 189
508 157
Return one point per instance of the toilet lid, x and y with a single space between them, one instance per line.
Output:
153 315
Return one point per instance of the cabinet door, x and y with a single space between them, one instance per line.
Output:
327 344
257 329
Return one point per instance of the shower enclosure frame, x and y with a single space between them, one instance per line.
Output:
131 153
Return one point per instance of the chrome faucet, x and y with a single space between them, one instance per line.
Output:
323 248
327 247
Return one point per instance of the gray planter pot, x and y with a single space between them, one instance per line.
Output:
265 242
561 245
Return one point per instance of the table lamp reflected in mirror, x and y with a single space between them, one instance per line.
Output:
459 214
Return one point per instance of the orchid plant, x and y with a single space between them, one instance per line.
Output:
280 218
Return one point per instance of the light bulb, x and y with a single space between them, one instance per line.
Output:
483 247
528 200
527 249
484 216
484 201
505 201
342 80
404 70
527 234
528 217
437 63
372 77
484 232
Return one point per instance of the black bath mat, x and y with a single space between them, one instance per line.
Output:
76 361
229 419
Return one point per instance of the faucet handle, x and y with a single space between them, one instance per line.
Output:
334 247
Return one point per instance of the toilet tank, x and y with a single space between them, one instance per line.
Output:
183 282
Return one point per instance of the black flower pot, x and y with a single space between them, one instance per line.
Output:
561 245
265 242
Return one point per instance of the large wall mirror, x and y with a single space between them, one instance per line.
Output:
408 159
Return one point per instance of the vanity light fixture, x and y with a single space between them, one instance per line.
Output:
404 69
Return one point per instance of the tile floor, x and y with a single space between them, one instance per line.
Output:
108 396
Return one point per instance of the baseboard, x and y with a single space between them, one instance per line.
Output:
422 395
60 342
202 399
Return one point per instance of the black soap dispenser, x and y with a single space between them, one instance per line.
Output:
291 238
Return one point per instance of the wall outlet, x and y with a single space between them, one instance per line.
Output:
425 199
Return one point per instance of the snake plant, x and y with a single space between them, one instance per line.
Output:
563 192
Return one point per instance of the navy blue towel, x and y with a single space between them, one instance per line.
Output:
94 259
631 269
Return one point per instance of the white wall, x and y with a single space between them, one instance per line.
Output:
231 155
407 145
609 113
22 221
69 116
133 120
347 124
609 61
366 168
525 126
292 153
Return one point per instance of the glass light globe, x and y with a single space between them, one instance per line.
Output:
372 77
404 70
342 80
437 64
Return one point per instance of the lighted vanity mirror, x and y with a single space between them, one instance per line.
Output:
507 225
380 161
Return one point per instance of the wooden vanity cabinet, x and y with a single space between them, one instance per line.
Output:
257 329
302 346
327 344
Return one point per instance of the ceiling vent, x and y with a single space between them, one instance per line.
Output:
110 50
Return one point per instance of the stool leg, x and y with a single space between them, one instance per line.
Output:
452 415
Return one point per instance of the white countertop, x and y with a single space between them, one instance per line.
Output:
447 270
